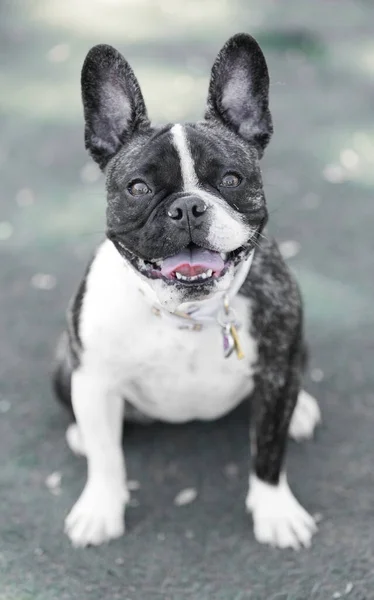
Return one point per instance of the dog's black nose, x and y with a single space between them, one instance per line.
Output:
187 212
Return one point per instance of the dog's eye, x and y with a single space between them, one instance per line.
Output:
230 180
138 188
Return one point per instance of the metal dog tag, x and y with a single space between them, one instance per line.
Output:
228 340
229 330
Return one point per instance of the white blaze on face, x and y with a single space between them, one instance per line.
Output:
190 181
227 230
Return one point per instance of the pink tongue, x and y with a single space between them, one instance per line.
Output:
193 262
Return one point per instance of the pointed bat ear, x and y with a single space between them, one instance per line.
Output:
113 104
239 91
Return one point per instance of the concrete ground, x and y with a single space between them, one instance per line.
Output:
319 182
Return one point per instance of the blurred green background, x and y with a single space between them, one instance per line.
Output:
319 178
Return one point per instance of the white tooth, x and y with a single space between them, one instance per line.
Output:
181 277
223 255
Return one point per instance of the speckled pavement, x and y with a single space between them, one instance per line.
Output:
319 182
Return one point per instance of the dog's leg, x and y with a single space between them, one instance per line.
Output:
98 515
279 519
74 437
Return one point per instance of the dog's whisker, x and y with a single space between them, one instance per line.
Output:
253 241
263 236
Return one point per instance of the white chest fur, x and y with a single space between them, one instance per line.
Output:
168 373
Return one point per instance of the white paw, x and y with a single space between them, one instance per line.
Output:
305 418
74 440
279 520
98 515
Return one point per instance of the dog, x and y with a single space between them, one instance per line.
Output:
187 308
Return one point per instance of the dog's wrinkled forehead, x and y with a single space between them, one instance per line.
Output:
151 155
184 157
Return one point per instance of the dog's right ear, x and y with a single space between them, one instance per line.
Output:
113 104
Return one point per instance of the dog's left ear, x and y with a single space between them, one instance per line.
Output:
239 91
113 104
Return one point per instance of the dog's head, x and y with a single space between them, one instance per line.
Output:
185 202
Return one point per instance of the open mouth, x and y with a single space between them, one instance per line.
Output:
193 265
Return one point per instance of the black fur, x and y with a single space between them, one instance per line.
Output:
75 312
65 364
70 346
277 325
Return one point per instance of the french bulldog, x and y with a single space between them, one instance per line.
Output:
187 308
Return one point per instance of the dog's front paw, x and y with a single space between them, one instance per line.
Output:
305 418
279 520
98 515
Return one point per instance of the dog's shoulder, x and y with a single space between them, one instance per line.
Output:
272 288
